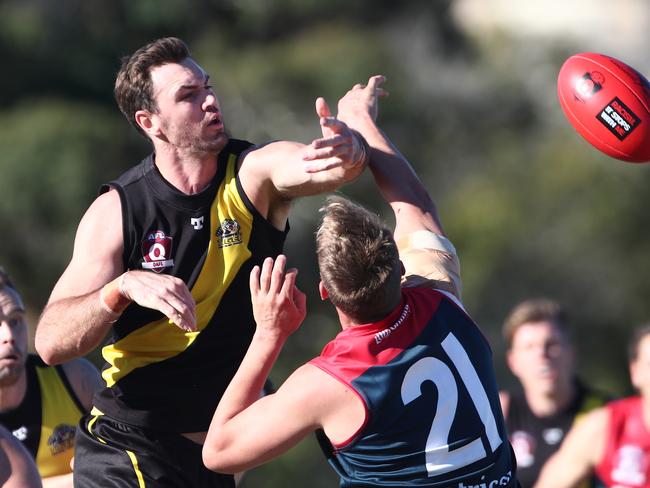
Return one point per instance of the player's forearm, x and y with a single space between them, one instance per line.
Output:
243 391
328 180
397 181
245 387
71 327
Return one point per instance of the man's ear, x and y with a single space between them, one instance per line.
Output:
403 271
322 290
147 122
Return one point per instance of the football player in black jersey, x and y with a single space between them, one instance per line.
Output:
161 259
541 411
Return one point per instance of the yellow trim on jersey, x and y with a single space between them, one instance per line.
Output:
59 418
161 339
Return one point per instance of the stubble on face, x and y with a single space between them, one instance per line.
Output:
192 122
191 139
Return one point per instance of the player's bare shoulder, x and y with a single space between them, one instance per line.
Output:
98 245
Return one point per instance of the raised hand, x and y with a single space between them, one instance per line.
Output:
362 100
339 147
279 307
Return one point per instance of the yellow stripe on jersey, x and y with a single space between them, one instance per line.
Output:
161 339
60 416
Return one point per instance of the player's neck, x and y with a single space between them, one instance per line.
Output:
11 396
545 403
190 173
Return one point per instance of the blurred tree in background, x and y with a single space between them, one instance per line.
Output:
532 209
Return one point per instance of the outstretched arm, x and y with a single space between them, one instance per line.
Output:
274 174
234 442
246 430
397 181
429 258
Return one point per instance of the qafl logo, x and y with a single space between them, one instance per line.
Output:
157 251
589 84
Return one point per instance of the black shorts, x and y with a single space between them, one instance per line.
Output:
116 455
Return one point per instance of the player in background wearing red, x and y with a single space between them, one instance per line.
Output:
612 441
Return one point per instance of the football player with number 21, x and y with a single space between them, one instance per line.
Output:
405 395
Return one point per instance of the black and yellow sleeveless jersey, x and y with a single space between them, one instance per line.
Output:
535 439
46 419
156 374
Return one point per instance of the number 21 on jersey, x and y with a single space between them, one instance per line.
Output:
439 458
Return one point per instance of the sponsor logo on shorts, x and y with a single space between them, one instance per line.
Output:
618 118
157 251
62 439
229 233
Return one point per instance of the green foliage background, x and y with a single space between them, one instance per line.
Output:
533 210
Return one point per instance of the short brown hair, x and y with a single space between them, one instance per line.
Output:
534 310
5 281
637 336
133 87
358 260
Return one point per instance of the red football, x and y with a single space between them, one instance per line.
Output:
607 102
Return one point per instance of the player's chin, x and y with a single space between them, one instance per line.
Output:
215 142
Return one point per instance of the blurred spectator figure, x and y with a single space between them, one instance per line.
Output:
612 442
40 405
541 411
17 468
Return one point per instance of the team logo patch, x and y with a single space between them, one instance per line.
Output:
157 251
618 118
524 446
229 233
62 439
629 466
553 435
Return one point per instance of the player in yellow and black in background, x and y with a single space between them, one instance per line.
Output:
39 404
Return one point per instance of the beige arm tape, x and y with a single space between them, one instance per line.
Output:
430 261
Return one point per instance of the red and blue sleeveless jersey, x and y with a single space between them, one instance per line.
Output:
433 417
626 461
